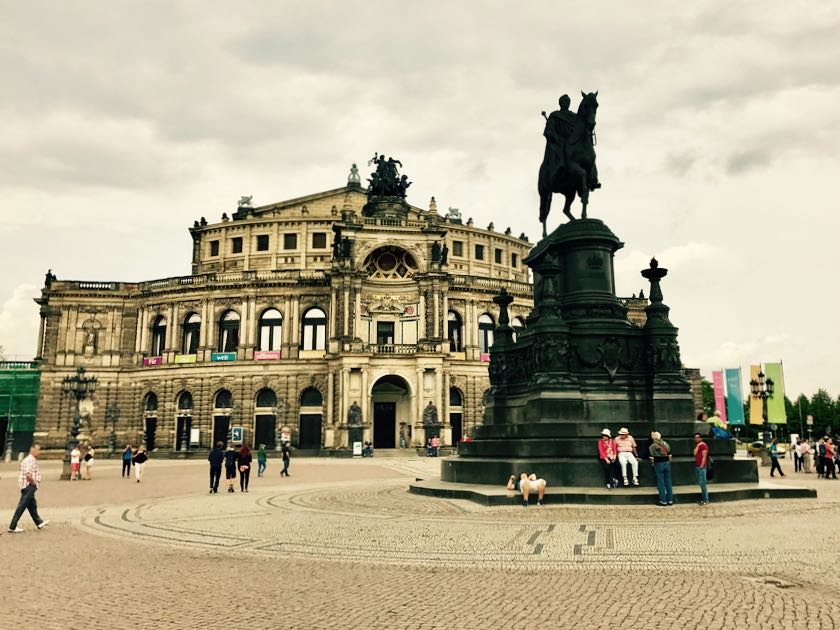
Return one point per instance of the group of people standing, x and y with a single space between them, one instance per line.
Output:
76 459
240 461
617 455
822 455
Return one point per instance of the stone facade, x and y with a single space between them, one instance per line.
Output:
293 312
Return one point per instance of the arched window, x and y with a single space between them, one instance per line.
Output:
271 328
185 401
455 332
311 397
314 330
223 400
485 332
229 332
456 399
151 402
192 330
518 325
266 398
158 336
389 262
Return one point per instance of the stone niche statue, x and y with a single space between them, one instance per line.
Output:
430 414
354 415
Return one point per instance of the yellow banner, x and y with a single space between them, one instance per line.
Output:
756 406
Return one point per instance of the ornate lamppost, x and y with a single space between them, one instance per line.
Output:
112 414
762 388
80 387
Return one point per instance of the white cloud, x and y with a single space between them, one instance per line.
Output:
718 138
19 323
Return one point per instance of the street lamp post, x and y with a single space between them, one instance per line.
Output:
112 413
80 387
762 388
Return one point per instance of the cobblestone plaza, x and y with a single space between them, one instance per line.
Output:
342 544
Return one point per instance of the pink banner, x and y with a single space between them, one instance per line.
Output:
147 361
266 355
720 400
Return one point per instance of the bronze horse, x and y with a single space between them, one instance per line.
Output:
574 172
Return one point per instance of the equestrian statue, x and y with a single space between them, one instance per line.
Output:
569 166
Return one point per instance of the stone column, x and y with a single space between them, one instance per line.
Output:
330 398
419 433
285 333
40 349
138 334
367 405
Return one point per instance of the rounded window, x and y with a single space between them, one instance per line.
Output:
390 263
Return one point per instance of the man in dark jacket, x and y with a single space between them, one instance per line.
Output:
231 457
216 457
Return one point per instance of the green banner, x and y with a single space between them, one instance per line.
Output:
734 398
776 403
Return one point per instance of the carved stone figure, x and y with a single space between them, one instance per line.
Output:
436 251
444 254
453 215
430 414
353 178
354 414
245 202
568 166
386 180
49 278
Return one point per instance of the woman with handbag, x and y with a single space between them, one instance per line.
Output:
245 459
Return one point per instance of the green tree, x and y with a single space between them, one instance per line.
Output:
708 396
822 408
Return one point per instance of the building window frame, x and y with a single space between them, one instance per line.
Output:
314 329
158 336
263 242
229 324
270 330
190 333
486 326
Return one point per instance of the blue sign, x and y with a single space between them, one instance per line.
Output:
236 434
224 357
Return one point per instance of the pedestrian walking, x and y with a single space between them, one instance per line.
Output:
127 454
89 462
75 463
29 480
606 457
807 456
660 457
245 459
828 460
262 461
140 459
286 455
216 458
701 465
625 447
231 457
774 458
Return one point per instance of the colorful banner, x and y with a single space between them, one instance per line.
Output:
720 399
734 397
147 361
185 358
756 408
776 413
266 355
224 357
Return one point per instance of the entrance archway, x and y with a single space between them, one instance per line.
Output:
391 397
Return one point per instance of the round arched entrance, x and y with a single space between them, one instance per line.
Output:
391 398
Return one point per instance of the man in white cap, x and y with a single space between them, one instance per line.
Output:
606 457
625 446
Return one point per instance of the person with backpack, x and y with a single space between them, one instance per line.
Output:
216 458
660 457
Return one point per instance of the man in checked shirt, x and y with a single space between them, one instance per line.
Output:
29 480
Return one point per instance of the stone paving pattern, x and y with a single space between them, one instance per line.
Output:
342 544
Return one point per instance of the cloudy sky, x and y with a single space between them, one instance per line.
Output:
718 140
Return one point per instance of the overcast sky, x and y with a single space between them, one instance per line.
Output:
718 140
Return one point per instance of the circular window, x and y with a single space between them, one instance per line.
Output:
390 262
